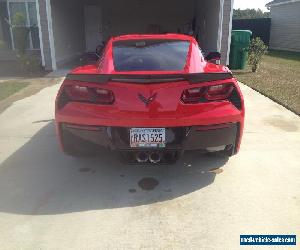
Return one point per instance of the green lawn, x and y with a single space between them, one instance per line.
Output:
278 78
8 88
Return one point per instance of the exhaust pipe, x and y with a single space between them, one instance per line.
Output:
155 157
142 157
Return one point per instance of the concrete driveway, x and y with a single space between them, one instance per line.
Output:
52 201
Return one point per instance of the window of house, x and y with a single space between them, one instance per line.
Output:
5 34
28 10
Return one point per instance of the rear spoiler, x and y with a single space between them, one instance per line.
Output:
151 79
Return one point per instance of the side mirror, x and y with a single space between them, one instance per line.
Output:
213 56
93 56
99 50
89 58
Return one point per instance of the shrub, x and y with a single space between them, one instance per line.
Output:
257 49
29 63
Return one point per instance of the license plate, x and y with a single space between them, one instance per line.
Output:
148 137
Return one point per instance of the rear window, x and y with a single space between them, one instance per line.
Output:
150 55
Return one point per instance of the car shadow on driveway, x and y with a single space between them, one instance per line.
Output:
38 179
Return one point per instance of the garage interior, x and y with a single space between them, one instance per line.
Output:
80 25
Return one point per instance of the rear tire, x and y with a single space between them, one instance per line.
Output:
75 152
77 147
227 152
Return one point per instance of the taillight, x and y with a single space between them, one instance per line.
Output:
218 92
192 95
78 93
207 93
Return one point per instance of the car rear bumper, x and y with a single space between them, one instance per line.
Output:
207 138
192 115
212 126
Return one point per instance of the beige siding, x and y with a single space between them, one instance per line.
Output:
285 28
226 30
68 29
1 33
45 34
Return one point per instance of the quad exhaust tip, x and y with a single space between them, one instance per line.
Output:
142 157
152 157
155 157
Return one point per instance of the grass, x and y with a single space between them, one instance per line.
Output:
8 88
278 77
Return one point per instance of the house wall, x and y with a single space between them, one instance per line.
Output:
285 27
226 31
208 25
46 48
1 33
68 29
209 37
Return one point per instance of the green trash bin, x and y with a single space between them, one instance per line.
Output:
240 41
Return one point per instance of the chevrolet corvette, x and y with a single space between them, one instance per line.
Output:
150 98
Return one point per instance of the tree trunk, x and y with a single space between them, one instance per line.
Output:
254 68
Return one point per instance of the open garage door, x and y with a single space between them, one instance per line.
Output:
199 18
79 25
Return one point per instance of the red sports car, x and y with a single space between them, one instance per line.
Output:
151 97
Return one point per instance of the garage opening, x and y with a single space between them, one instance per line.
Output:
79 26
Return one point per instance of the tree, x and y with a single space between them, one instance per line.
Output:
249 14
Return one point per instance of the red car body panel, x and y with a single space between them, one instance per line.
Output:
166 111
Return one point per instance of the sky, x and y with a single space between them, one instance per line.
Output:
251 4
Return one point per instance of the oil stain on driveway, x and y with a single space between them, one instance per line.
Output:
49 200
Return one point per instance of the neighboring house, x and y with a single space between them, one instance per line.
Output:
285 25
65 29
